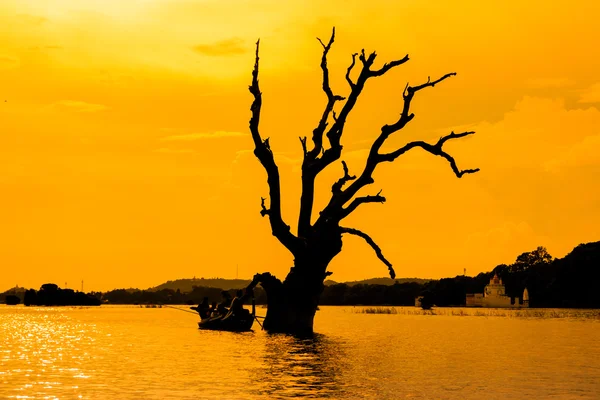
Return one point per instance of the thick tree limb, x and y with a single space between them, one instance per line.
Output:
361 200
337 186
435 149
262 151
266 280
372 243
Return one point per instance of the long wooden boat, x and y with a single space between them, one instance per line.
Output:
234 323
241 323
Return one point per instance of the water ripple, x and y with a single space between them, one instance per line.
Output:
131 353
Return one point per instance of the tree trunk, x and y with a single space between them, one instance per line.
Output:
292 304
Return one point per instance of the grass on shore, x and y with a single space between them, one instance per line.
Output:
377 310
482 312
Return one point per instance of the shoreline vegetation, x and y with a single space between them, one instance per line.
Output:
552 283
546 313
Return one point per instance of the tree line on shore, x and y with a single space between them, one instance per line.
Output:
565 282
51 295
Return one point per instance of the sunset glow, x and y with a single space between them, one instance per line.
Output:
126 160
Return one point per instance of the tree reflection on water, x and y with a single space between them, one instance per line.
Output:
296 367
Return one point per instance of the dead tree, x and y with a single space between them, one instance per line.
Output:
292 303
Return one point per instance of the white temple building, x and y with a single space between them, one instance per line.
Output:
494 296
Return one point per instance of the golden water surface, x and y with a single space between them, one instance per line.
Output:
126 352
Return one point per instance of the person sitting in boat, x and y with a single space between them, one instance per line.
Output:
212 311
222 306
202 309
237 305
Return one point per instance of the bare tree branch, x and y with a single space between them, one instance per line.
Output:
326 49
337 186
372 243
334 133
262 151
435 149
309 172
350 70
367 61
338 200
361 200
406 116
264 210
387 66
429 83
453 135
331 99
303 142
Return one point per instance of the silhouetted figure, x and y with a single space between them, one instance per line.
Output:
222 306
202 308
212 311
237 305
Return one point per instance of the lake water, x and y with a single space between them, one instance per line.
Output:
126 352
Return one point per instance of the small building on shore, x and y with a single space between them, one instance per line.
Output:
494 296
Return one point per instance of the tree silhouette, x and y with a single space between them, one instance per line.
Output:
528 259
292 303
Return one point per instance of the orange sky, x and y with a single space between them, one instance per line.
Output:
125 156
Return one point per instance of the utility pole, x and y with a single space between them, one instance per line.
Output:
82 285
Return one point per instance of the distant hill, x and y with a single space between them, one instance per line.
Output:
16 291
380 281
187 285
